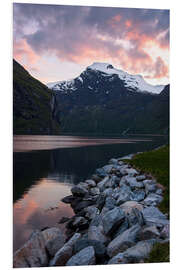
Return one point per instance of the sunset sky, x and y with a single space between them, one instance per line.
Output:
58 42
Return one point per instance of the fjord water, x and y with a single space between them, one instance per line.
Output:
46 167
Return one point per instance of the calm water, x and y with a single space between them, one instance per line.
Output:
43 176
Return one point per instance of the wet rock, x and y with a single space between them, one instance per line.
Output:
124 194
54 240
153 199
123 227
150 232
96 178
150 188
101 172
159 191
68 199
66 252
108 168
135 217
110 203
108 192
101 185
112 219
133 183
115 193
131 172
137 195
138 252
63 220
91 183
140 177
80 223
96 233
79 191
123 169
32 253
81 205
94 191
153 216
96 221
91 212
113 161
123 241
84 257
101 201
165 232
118 259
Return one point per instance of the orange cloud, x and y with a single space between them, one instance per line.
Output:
114 21
128 23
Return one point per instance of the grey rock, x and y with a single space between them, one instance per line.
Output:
91 183
120 162
131 172
135 217
108 168
165 232
98 246
153 216
108 192
65 253
101 185
96 178
150 232
153 199
123 169
150 188
68 199
159 191
133 183
138 252
140 177
101 172
129 205
54 240
96 233
100 201
80 222
112 219
96 221
113 161
32 253
81 205
91 212
123 241
94 191
118 259
115 193
110 203
137 195
84 257
149 181
123 227
79 190
124 194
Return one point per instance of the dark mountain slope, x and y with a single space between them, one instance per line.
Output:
32 112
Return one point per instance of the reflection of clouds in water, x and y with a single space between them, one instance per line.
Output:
31 213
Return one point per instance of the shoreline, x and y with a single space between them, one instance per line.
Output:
116 221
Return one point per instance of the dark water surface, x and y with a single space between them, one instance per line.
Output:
41 178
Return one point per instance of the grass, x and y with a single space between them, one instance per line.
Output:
156 163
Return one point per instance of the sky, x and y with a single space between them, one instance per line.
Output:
57 42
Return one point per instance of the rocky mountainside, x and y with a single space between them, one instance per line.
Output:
107 100
32 112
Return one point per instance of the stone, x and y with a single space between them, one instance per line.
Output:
83 184
135 217
63 220
153 216
149 232
123 241
120 162
138 252
137 195
118 259
99 248
32 253
153 199
66 252
54 240
68 199
115 193
131 172
96 178
94 191
129 205
108 192
113 161
91 212
101 185
81 205
96 233
116 180
79 191
149 181
108 168
96 221
91 183
112 219
123 169
80 223
100 201
150 188
84 257
140 177
159 191
110 203
123 227
124 194
165 232
101 172
133 183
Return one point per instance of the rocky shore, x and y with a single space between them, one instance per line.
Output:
116 221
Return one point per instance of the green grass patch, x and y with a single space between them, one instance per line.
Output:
156 163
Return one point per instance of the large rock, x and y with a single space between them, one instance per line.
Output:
66 252
98 246
131 172
32 253
79 190
135 217
124 194
150 232
101 201
140 177
101 185
153 216
94 191
113 161
153 199
112 219
54 240
123 169
149 187
68 199
110 203
138 252
101 173
80 223
108 192
91 183
133 183
85 257
81 205
91 212
123 227
123 241
165 232
96 233
129 205
108 168
137 195
118 259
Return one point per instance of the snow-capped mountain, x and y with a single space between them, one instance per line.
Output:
108 73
